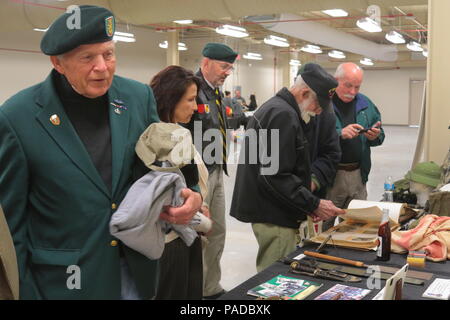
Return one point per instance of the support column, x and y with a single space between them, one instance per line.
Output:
173 57
437 134
286 70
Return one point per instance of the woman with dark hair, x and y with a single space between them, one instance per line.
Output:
252 106
181 268
175 90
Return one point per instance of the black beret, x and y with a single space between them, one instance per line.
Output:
219 51
320 81
89 24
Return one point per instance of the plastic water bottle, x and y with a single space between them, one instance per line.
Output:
389 189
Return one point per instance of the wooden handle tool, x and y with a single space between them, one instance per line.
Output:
336 259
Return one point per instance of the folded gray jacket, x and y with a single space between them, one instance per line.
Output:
136 222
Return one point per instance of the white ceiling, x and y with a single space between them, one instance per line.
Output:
298 21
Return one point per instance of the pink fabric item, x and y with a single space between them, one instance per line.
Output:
431 235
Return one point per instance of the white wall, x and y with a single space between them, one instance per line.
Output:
389 90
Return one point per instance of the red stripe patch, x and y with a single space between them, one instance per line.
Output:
201 108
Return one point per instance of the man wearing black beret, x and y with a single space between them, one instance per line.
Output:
276 197
210 119
325 152
67 159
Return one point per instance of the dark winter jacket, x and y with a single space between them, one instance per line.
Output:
282 197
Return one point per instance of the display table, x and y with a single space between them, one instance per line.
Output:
410 292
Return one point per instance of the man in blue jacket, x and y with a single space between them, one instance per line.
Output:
67 160
358 124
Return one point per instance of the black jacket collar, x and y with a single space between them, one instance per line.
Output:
204 86
287 96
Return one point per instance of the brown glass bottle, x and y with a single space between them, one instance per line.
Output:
384 238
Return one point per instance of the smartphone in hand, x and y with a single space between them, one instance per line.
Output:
367 129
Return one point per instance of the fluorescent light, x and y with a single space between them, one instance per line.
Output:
295 62
165 45
276 41
124 37
425 53
336 54
41 30
368 25
232 31
336 12
252 56
414 46
124 34
366 61
182 46
395 37
311 49
183 21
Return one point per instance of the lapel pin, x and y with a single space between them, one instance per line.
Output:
117 110
54 119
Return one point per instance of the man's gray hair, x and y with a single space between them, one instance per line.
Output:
301 84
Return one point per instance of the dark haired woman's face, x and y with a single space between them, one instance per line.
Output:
186 106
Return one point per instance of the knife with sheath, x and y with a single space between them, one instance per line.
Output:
316 272
346 270
360 264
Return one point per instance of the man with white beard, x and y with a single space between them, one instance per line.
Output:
276 196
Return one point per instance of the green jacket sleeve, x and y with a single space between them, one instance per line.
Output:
14 177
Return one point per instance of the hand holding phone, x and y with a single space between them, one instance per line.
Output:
373 132
378 126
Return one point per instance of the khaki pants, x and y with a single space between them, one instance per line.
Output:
274 242
347 186
212 251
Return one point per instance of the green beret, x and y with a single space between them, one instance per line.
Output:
89 24
219 51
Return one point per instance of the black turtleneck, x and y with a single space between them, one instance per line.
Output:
351 148
90 118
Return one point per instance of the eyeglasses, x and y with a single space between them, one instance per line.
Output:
225 67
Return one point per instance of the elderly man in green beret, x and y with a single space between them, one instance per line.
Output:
67 159
208 123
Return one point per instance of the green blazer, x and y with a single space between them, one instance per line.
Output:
56 204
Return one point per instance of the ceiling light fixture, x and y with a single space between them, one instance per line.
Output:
311 49
252 56
165 45
183 21
232 31
295 62
366 61
368 25
336 12
336 54
41 30
414 46
124 37
182 46
276 41
395 37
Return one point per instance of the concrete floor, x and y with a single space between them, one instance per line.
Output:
393 158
